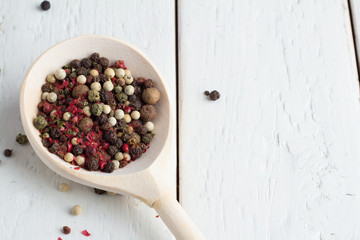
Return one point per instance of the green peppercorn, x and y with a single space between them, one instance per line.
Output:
118 89
46 135
21 139
40 122
147 137
72 75
93 96
121 97
96 109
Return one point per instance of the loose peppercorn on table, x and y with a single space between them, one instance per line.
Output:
275 157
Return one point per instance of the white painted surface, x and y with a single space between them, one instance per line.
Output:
30 204
277 157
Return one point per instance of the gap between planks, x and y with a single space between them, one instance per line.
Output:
354 35
177 102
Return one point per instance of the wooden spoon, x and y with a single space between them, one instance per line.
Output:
146 178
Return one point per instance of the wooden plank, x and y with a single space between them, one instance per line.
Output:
30 204
277 156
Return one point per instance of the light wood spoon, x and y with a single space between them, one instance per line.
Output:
146 178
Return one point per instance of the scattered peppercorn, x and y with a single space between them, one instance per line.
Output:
207 93
66 230
7 152
21 139
99 191
45 5
214 95
76 210
63 187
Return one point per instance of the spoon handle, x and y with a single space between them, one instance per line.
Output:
176 219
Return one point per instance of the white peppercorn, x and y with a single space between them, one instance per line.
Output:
120 72
110 72
80 160
116 164
81 79
127 118
106 109
68 157
129 90
149 125
135 115
66 116
108 86
128 79
52 114
119 156
44 95
95 86
60 74
94 72
63 187
76 210
86 111
50 78
74 141
112 121
51 97
127 156
119 114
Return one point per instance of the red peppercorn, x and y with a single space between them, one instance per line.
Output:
120 64
66 230
128 109
125 147
47 107
69 146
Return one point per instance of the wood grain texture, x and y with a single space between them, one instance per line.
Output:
30 204
277 156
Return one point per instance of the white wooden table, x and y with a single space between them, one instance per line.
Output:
277 157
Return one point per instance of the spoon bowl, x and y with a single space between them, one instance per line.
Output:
147 178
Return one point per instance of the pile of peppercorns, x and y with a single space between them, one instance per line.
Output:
95 115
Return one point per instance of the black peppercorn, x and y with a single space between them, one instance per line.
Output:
132 98
118 143
86 62
147 138
112 150
75 64
149 83
93 164
103 78
95 57
137 104
123 163
55 132
104 62
214 95
81 71
135 151
141 130
105 96
102 119
45 5
8 152
110 167
63 138
77 150
207 93
21 139
98 67
90 151
66 230
46 142
105 126
99 191
47 87
110 136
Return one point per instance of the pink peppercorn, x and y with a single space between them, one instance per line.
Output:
126 147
